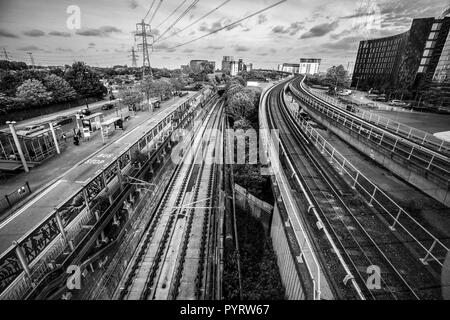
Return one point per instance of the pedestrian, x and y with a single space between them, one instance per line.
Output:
76 140
64 137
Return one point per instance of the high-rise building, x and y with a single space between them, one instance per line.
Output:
309 66
248 67
241 66
416 60
234 68
226 63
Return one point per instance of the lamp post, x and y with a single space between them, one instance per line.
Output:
17 143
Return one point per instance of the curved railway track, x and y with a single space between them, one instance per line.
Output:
171 258
360 245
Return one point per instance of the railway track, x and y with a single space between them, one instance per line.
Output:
170 260
359 244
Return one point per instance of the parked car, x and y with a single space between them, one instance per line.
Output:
60 121
182 94
398 103
107 106
86 112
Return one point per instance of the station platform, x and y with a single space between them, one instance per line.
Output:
41 206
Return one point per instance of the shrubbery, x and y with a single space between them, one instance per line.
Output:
23 88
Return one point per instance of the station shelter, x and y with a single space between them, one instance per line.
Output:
109 126
92 122
36 147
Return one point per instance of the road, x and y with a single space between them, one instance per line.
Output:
66 113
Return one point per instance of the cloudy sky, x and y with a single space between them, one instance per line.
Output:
330 30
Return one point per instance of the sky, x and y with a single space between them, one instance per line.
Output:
294 29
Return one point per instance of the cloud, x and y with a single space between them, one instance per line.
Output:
188 50
30 48
164 47
133 4
204 27
320 30
104 31
293 28
60 49
262 19
59 34
6 34
345 44
110 29
241 48
91 45
214 47
34 33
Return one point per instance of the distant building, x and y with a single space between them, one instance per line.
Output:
289 67
234 68
309 66
197 65
226 63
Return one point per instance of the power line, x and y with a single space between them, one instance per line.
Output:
153 3
196 21
229 25
170 15
156 10
191 6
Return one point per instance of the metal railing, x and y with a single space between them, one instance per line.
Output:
307 253
9 200
419 136
432 248
382 139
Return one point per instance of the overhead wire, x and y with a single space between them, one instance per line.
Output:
156 10
153 3
228 25
185 12
171 14
196 21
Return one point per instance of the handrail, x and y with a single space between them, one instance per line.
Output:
378 134
423 137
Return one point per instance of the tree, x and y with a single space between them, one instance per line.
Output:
84 80
60 88
240 106
130 99
156 88
33 92
338 77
